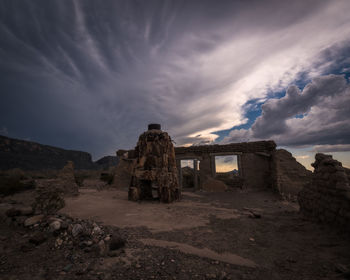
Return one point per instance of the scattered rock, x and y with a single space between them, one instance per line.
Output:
59 242
55 225
97 231
77 230
102 248
33 220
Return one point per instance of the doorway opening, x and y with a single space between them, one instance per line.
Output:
189 170
227 170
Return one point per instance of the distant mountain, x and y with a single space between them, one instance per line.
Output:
28 155
107 161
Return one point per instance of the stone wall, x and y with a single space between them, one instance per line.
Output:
289 176
327 198
254 160
123 172
256 170
261 165
245 147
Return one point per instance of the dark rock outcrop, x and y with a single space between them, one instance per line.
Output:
107 162
28 155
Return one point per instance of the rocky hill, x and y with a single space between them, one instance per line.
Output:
28 155
107 161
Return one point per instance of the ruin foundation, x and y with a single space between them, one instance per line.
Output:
155 174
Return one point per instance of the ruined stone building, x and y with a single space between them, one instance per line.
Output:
155 166
326 198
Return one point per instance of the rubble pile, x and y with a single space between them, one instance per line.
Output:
49 196
50 192
67 232
327 197
155 173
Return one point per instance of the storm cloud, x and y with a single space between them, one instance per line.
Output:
318 115
90 75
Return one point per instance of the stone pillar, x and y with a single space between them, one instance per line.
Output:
179 169
212 166
195 170
239 165
204 169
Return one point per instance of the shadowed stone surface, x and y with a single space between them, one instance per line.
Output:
327 198
155 174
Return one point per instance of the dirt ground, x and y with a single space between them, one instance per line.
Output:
229 235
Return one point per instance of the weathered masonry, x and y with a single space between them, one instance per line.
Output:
260 166
254 161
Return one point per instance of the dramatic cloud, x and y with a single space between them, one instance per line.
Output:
90 75
331 148
318 115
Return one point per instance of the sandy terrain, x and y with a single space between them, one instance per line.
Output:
204 236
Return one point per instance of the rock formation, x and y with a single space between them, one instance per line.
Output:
327 198
107 161
155 174
28 155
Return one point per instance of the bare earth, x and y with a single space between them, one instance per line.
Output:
204 236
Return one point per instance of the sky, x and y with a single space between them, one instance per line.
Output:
90 75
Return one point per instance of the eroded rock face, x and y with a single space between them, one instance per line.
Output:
327 198
155 173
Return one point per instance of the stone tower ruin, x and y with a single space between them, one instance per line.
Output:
155 174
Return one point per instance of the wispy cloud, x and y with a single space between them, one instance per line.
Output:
92 76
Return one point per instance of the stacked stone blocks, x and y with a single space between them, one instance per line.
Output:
327 198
